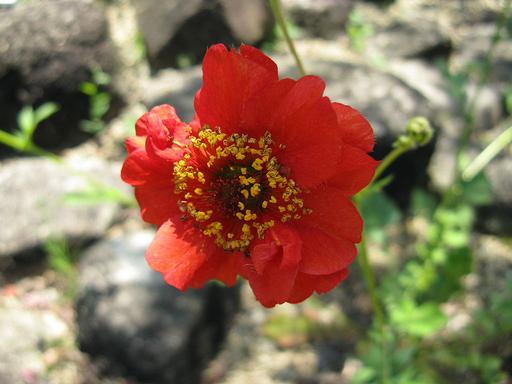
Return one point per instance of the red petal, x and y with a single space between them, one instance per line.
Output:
222 266
259 57
229 80
357 131
163 112
306 284
134 142
157 203
312 143
139 169
272 286
178 252
323 254
303 121
333 213
354 171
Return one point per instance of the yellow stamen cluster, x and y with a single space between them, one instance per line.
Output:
234 188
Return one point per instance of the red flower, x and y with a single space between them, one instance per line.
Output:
258 185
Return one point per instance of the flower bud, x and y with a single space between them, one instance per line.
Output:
418 128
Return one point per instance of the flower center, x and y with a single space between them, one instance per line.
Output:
234 189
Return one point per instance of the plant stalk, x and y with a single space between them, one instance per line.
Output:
278 14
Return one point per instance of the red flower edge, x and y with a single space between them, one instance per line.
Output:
258 185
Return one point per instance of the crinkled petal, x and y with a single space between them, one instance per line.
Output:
134 142
273 284
356 130
139 169
178 252
163 112
158 203
306 284
333 213
323 254
222 266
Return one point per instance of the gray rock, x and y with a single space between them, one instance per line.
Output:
497 217
319 18
25 335
142 327
410 38
47 49
176 29
474 45
33 206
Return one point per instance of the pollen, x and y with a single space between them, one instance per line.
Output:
234 188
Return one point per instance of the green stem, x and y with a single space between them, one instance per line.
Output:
489 153
390 158
278 14
469 107
21 144
371 285
370 281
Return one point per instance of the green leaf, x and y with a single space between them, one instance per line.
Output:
88 88
378 212
477 191
45 111
422 203
27 121
100 105
100 78
417 320
92 126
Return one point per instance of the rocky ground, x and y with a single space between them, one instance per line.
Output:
77 302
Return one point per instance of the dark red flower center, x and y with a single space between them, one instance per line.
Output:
234 188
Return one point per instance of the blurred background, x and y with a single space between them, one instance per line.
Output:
78 303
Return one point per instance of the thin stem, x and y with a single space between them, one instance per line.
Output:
389 159
370 281
489 153
469 107
21 144
278 14
371 285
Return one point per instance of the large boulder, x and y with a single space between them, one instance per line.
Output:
34 207
319 18
47 49
175 30
139 325
410 38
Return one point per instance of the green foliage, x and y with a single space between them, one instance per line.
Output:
184 60
422 204
379 212
416 320
28 121
508 100
99 101
99 193
62 259
276 35
288 330
358 30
